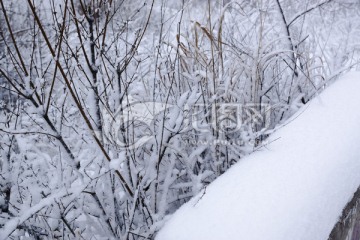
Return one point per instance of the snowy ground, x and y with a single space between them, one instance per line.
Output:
295 188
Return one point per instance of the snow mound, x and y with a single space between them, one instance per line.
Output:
294 188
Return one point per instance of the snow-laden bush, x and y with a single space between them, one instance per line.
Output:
118 112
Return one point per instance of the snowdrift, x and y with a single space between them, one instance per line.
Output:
294 188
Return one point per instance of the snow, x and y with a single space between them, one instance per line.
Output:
116 163
13 223
293 188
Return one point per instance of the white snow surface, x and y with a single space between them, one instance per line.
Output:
294 188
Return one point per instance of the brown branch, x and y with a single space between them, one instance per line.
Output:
77 102
137 42
58 55
26 133
17 49
13 38
18 91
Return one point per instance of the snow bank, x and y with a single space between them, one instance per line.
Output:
294 188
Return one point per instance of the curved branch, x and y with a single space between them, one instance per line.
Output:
308 10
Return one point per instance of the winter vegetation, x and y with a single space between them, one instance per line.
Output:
294 188
114 113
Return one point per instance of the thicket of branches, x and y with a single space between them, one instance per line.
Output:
71 69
